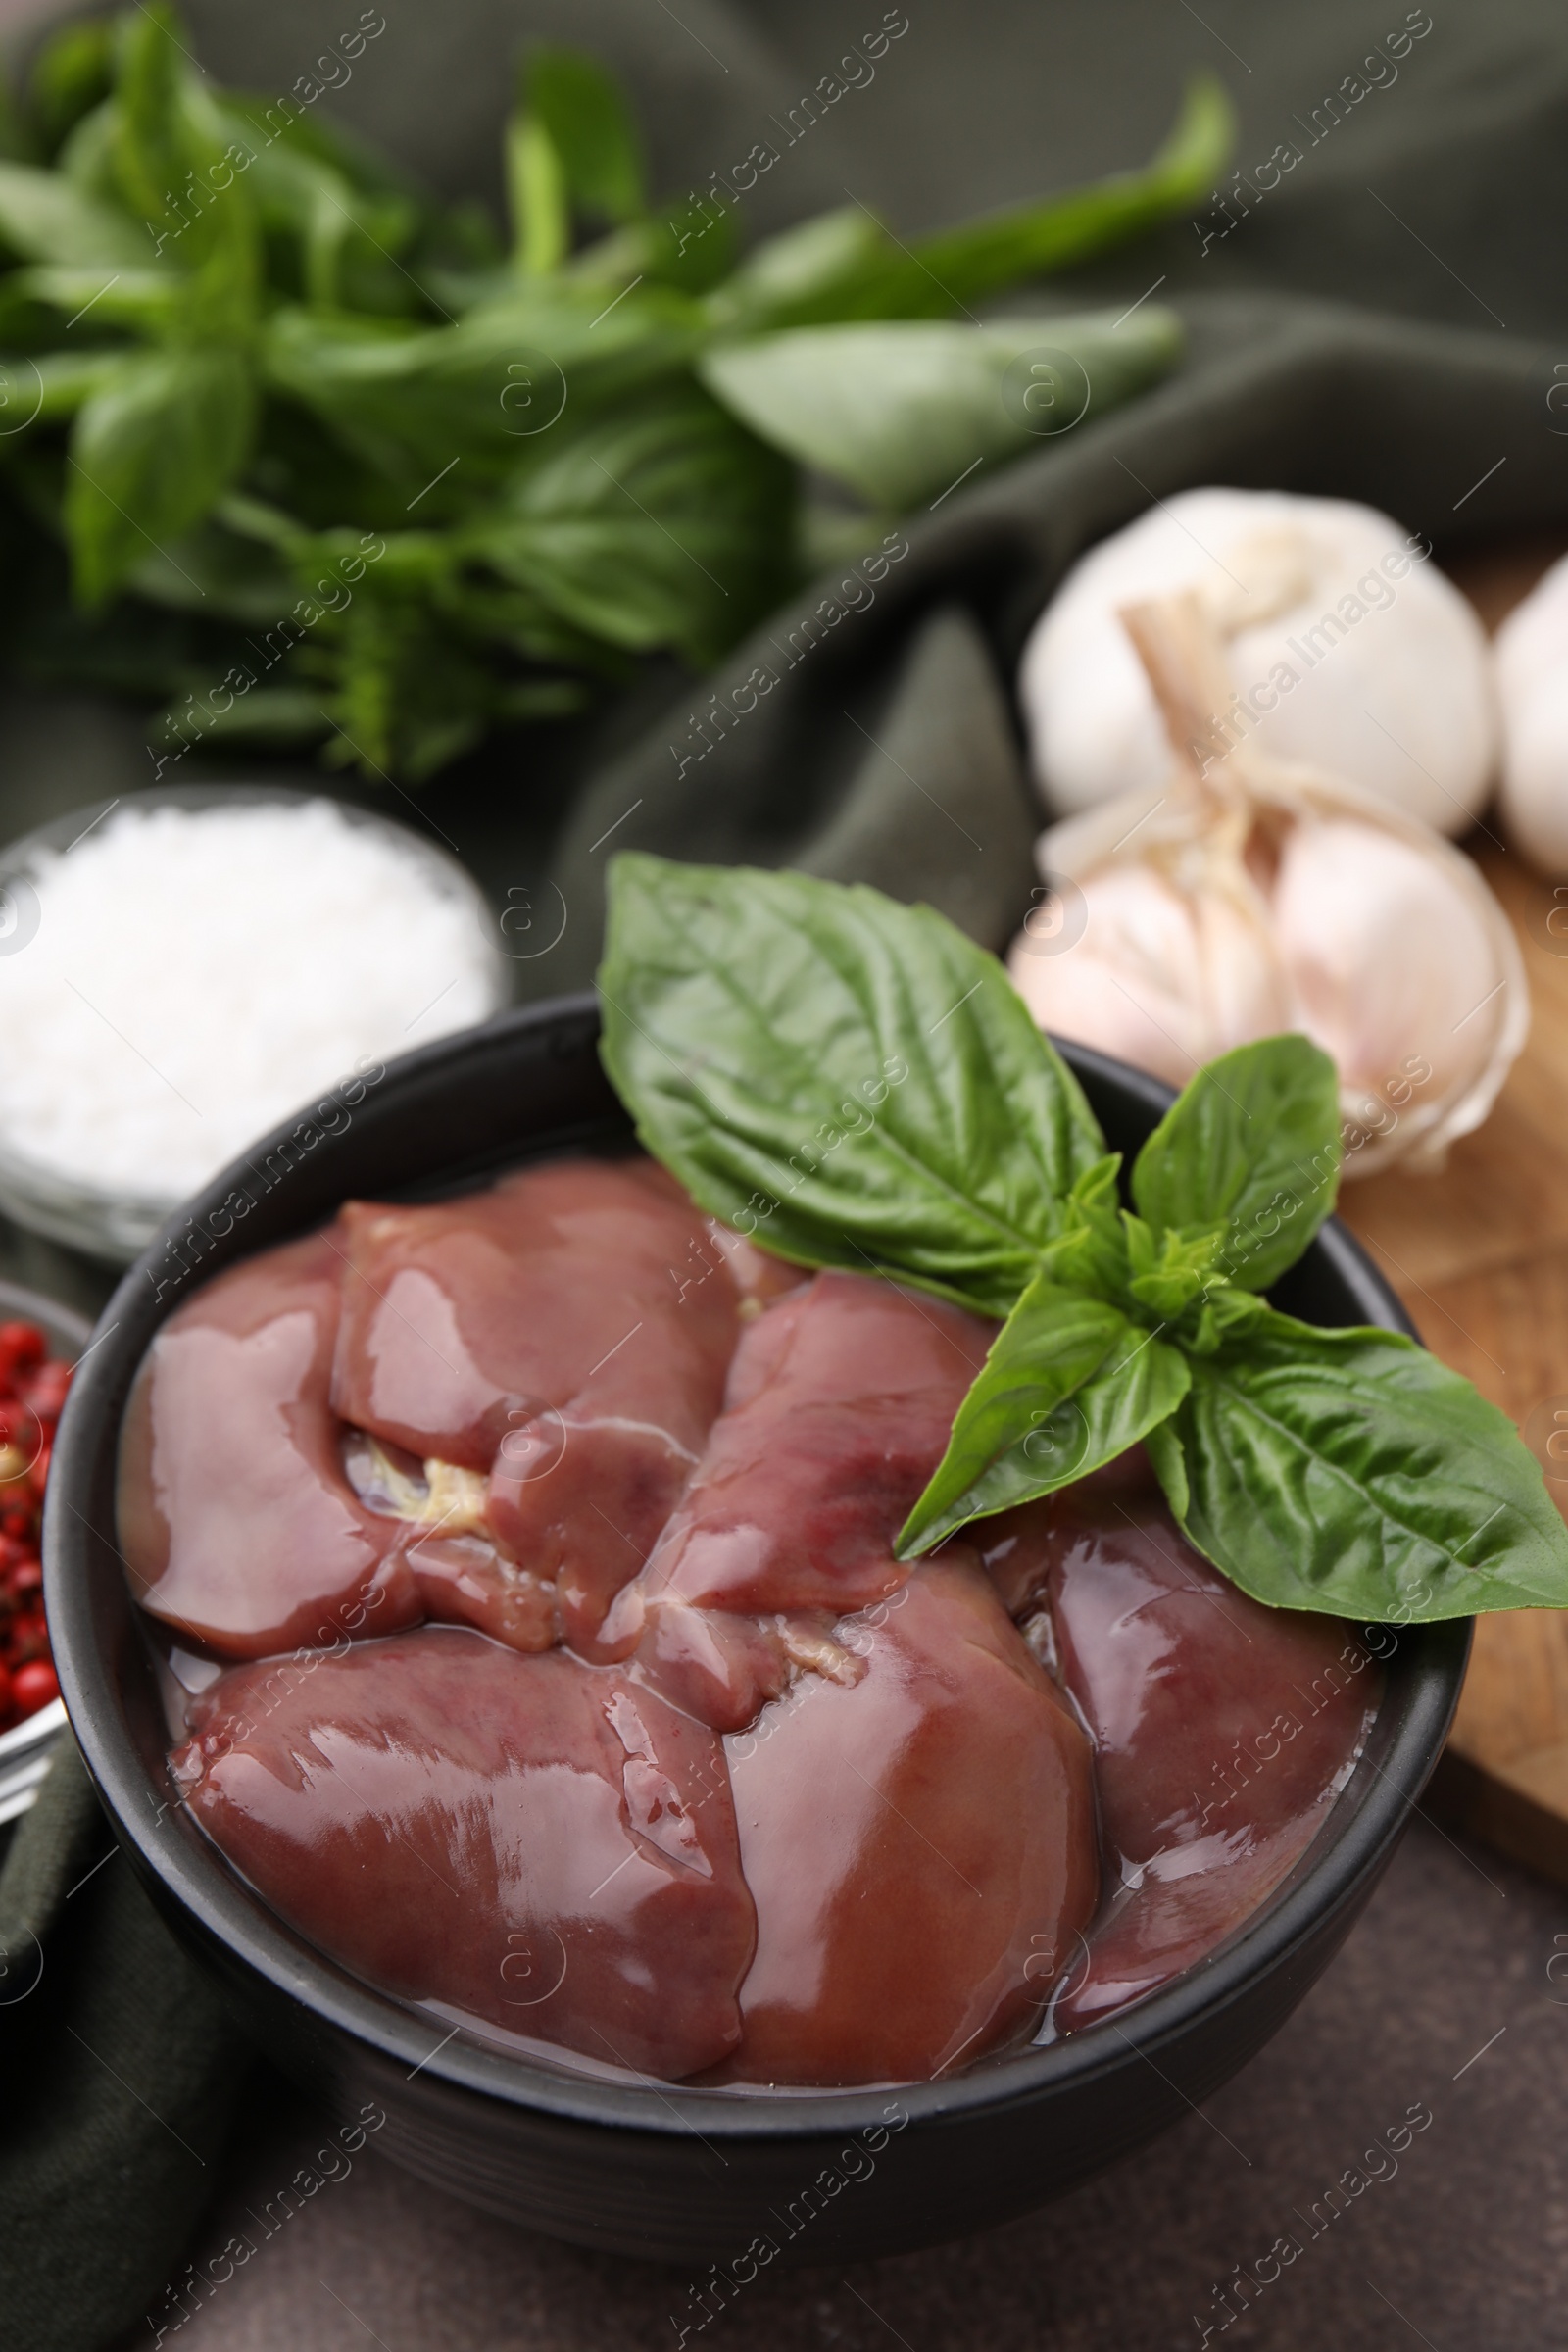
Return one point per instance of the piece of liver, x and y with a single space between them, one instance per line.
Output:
534 1842
783 1809
920 1846
463 1580
568 1332
1223 1731
837 1410
236 1519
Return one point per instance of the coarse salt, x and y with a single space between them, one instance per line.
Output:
197 973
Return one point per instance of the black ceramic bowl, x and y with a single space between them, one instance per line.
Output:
688 2175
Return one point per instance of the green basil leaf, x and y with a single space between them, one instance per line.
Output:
164 150
500 388
1091 1253
536 192
150 452
71 74
67 379
44 219
853 1081
591 129
151 301
334 242
267 715
1048 1346
1030 239
1031 1424
830 270
1096 1188
1251 1144
380 388
1222 1314
1166 1275
265 123
798 277
1352 1472
662 527
691 250
150 142
900 411
85 161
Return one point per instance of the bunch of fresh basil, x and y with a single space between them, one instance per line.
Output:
235 348
856 1084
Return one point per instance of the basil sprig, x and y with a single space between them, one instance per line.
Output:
856 1084
246 351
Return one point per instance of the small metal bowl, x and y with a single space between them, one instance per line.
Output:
25 1750
118 1225
668 2172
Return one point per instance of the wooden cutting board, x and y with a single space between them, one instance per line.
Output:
1479 1255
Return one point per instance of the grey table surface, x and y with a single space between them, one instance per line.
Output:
1442 2002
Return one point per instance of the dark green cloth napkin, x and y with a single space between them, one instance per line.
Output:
1387 323
120 2072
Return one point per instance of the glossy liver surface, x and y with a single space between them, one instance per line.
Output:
543 1657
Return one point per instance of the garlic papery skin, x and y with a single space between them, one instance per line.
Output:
1531 655
1244 897
1345 649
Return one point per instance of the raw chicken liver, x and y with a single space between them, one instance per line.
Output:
236 1521
568 1332
837 1410
1222 1731
701 1782
523 1838
920 1846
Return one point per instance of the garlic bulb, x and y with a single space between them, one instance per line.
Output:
1532 666
1242 896
1346 648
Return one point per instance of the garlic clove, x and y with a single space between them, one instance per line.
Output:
1346 651
1388 960
1157 977
1243 983
1129 986
1532 671
1534 800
